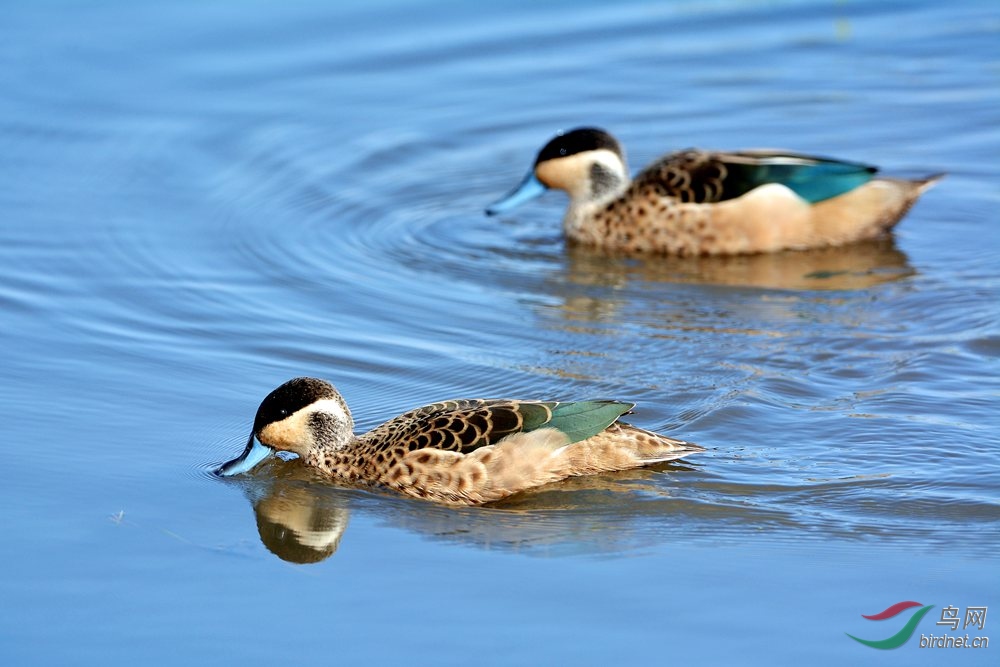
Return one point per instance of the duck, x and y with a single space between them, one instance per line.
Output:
457 452
697 202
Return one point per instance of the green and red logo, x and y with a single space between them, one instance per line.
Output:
904 634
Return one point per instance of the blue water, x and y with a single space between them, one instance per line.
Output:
199 201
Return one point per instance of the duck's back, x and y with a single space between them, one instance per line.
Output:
475 451
705 203
706 177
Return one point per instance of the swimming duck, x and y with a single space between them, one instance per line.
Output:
463 452
695 202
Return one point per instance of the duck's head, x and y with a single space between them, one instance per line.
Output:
300 416
587 163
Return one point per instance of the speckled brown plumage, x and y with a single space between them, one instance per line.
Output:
462 451
678 206
717 203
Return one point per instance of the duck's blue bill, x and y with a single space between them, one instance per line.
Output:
251 456
529 188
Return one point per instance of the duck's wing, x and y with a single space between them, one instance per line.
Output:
707 177
465 425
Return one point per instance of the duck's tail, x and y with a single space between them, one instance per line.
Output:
868 211
900 197
622 447
926 183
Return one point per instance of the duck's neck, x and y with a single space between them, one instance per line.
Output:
331 430
606 181
330 455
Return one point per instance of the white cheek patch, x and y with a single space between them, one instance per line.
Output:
608 159
333 408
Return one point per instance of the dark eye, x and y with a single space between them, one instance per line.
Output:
283 412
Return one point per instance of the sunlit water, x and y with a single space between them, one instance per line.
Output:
200 201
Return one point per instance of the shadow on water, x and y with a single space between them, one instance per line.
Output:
854 266
302 517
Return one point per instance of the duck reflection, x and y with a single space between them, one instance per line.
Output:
301 517
297 521
851 267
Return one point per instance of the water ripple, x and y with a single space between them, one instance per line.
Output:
198 240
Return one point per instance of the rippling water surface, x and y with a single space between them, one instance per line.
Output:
201 200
